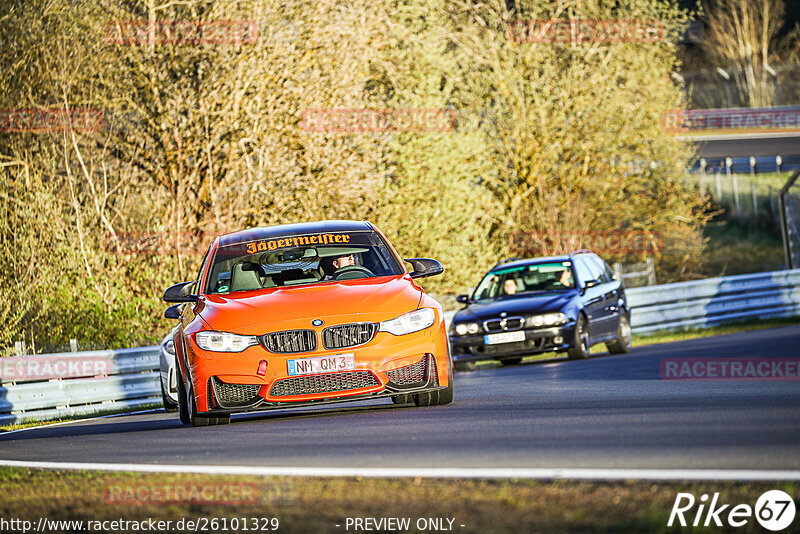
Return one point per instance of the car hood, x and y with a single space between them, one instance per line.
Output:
368 299
520 305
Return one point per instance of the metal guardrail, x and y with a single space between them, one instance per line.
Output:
128 380
714 301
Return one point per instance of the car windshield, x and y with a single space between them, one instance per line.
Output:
296 260
550 276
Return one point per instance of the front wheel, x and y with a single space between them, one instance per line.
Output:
580 343
402 399
622 343
183 406
438 397
195 417
169 405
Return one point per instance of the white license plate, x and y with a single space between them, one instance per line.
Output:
322 364
505 337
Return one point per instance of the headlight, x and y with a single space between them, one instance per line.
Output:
169 346
224 341
547 319
410 322
462 329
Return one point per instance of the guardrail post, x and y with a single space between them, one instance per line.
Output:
651 272
755 202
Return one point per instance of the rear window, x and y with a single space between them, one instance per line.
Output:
296 260
550 276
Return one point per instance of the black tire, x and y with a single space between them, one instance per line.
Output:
622 343
580 342
438 397
169 406
447 394
510 361
195 417
223 419
402 399
183 406
465 366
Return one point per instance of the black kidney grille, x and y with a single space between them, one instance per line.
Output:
348 335
325 383
234 395
502 325
289 341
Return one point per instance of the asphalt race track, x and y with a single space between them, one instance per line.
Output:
604 412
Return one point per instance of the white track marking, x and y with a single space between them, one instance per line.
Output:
424 472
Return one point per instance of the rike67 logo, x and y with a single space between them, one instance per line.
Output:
774 510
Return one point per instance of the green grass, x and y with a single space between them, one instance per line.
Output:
734 248
318 504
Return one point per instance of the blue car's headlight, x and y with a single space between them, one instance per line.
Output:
223 341
546 319
462 329
410 322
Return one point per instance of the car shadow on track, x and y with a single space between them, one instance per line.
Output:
119 424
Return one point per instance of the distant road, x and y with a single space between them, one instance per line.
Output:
753 145
604 412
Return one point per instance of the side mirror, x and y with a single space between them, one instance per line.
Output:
173 312
180 293
591 283
424 267
463 299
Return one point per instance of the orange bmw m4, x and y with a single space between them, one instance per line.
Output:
306 314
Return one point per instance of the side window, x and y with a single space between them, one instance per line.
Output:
599 269
200 274
583 271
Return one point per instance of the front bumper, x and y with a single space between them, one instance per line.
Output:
229 381
537 340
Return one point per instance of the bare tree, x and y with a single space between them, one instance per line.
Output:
743 36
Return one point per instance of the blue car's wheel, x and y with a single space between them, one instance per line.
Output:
580 343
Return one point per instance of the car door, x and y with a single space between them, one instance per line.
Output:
592 296
607 320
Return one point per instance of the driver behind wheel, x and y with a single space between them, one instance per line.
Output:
331 266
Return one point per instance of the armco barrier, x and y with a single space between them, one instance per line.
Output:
712 301
129 381
132 378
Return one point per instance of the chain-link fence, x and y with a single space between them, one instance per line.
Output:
743 195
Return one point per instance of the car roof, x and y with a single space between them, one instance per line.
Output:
281 230
542 259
